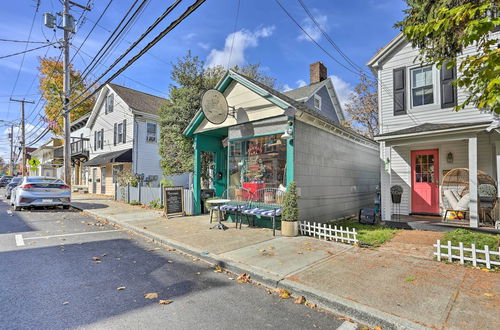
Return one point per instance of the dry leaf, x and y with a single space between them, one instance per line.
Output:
310 305
153 249
151 295
488 294
66 302
243 278
120 288
300 300
378 327
485 269
262 250
230 278
217 269
270 247
300 252
96 259
198 273
170 261
283 294
165 302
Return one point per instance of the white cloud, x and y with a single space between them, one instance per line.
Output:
243 39
300 83
189 36
311 28
5 147
343 89
203 45
286 88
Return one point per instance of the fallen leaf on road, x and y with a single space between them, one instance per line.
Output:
243 278
377 327
283 294
217 269
165 302
170 261
262 250
300 252
170 249
198 273
96 259
485 269
269 291
195 259
120 288
151 295
230 278
153 249
310 305
300 300
66 302
270 247
488 294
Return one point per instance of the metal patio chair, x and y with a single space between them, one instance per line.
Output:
268 203
239 201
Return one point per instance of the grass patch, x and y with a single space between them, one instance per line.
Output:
469 237
409 279
370 235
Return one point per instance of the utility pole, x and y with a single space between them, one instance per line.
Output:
23 133
11 167
68 27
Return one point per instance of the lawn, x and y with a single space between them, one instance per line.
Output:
369 235
469 237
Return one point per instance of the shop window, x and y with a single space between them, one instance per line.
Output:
257 163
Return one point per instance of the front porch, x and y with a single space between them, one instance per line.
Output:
418 158
436 223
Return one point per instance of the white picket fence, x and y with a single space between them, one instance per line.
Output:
475 258
327 232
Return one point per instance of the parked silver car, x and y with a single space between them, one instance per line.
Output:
40 191
13 183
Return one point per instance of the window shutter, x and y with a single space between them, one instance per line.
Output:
448 90
115 132
399 91
95 140
124 130
102 138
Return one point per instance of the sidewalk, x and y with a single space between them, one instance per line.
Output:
373 286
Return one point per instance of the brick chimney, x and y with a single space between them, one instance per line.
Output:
317 72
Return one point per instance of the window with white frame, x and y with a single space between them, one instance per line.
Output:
317 102
422 89
109 103
151 132
119 133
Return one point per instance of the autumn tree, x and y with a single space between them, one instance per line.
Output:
51 86
443 29
190 79
362 108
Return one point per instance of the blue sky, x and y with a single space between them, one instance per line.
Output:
263 34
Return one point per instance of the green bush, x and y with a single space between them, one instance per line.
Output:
135 203
290 205
155 204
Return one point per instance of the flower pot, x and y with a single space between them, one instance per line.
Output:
289 228
396 199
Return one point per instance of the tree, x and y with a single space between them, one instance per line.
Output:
442 29
51 86
362 108
191 78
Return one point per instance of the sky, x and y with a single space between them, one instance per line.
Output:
219 33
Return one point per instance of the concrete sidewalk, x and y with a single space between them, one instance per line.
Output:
373 286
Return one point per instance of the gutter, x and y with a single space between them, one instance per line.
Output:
470 129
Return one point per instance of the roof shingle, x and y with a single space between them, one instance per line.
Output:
139 101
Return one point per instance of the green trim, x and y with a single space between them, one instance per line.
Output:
197 176
290 156
221 87
255 136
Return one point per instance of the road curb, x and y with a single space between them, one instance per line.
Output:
336 304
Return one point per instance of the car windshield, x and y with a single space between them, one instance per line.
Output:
43 180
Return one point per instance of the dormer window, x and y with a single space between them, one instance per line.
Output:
108 107
422 90
317 102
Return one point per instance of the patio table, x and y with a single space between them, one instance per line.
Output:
218 202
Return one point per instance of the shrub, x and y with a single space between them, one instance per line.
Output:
290 205
155 204
135 203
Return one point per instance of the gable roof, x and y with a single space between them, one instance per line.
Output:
305 91
374 62
278 98
138 100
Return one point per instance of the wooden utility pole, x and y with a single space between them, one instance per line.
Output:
23 132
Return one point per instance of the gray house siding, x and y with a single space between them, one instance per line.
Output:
327 107
336 176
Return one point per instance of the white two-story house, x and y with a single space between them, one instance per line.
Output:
422 137
124 135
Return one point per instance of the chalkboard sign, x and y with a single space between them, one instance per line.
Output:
173 200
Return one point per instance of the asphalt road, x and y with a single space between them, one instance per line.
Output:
49 280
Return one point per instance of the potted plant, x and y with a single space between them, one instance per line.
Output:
396 193
290 216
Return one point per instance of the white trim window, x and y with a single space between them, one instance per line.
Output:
109 103
317 101
422 86
151 132
119 133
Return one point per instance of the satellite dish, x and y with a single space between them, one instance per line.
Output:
214 106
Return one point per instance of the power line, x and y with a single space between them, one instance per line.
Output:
234 33
26 51
24 41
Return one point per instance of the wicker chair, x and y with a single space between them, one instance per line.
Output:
266 202
456 181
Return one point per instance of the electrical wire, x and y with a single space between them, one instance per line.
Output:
24 41
234 33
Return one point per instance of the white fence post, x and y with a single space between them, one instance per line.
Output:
438 250
474 256
487 256
450 259
461 246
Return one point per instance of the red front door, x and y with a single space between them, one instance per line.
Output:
425 181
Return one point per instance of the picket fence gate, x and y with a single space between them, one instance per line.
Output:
449 254
327 232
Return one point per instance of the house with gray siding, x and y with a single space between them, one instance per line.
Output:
336 169
422 137
124 131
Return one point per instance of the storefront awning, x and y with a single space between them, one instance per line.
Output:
122 156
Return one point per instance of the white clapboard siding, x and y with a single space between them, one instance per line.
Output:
327 232
453 253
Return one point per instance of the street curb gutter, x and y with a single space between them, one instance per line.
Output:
356 311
